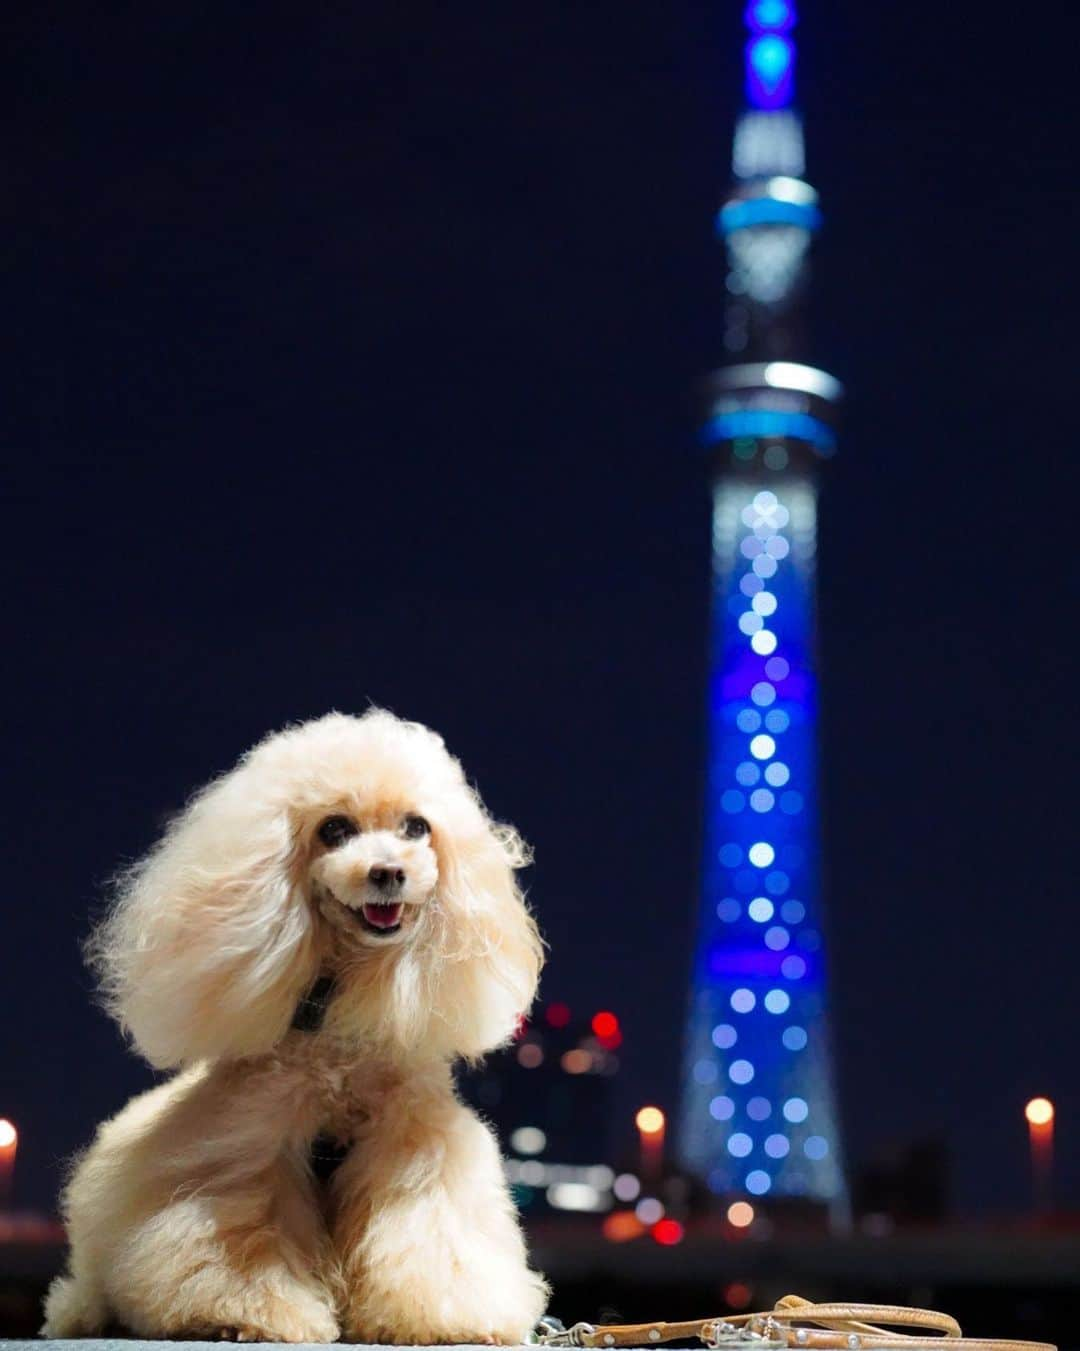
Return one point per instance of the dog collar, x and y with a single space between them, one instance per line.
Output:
311 1010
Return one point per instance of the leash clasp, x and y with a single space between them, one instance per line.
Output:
763 1334
550 1332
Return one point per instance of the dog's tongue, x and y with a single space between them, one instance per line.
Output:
383 916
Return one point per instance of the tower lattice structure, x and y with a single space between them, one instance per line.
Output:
758 1113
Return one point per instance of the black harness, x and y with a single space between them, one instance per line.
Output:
325 1153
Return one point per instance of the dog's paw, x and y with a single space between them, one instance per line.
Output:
277 1320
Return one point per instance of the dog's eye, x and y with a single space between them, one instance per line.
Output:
415 828
336 830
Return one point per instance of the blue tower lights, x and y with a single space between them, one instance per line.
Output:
758 1116
770 54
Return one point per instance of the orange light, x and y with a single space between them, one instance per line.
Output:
577 1062
1039 1111
621 1226
737 1295
667 1232
530 1055
650 1121
605 1025
740 1214
558 1015
9 1136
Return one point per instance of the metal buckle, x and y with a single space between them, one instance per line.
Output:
763 1334
554 1334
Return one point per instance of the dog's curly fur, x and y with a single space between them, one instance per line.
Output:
195 1212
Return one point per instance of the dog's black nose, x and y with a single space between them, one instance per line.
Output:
388 880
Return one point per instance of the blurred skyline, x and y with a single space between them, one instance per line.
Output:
354 356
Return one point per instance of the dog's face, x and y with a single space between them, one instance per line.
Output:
329 841
373 869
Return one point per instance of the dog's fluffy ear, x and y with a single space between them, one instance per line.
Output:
490 952
210 942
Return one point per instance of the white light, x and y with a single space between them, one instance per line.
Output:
763 694
758 1182
794 1038
794 190
761 800
743 1001
724 1036
626 1187
768 142
765 566
777 1146
760 909
601 1176
778 1001
777 938
776 546
796 1110
528 1140
740 1145
762 747
764 603
761 854
740 1071
722 1108
575 1196
750 623
764 641
777 774
649 1210
807 379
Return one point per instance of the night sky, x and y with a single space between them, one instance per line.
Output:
352 354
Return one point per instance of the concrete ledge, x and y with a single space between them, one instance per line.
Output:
133 1344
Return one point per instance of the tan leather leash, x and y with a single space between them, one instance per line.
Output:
797 1322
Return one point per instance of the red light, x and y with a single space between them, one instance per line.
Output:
605 1025
738 1295
667 1232
558 1015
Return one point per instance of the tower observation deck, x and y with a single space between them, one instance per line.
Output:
758 1115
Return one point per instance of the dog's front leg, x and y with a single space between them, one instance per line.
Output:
425 1229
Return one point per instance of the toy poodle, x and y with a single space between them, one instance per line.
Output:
315 940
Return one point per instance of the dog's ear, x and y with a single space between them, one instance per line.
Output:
490 952
210 941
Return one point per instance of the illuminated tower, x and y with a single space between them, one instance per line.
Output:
758 1113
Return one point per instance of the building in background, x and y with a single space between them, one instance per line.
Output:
758 1116
550 1098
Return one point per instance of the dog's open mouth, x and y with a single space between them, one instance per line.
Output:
381 919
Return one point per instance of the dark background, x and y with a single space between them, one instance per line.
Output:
351 354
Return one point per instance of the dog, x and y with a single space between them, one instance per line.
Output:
314 942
